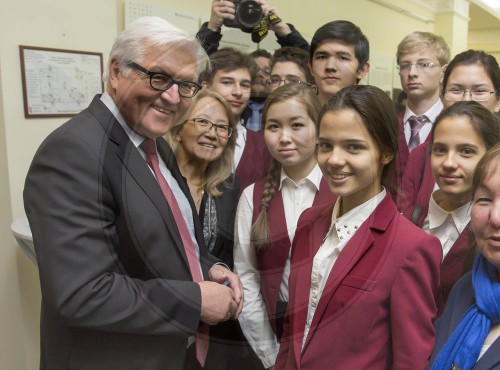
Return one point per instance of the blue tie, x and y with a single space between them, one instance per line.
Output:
254 123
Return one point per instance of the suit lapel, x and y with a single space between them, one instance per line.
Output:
137 168
303 253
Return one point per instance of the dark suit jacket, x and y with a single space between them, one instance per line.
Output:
417 185
117 292
378 303
461 298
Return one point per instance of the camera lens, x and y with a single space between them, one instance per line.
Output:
249 13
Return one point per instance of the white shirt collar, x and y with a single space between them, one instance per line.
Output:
314 177
110 103
438 216
431 114
345 225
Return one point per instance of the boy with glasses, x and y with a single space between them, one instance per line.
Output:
289 65
422 58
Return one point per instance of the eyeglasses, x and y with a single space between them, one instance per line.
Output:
423 66
475 94
265 70
161 82
204 125
276 81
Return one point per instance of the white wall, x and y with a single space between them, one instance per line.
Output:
92 25
89 25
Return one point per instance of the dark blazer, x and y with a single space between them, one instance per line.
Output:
117 292
461 298
228 347
226 205
378 303
417 185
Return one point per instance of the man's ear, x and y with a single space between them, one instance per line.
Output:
114 71
363 71
386 158
205 85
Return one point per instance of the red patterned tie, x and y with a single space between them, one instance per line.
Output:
416 123
149 147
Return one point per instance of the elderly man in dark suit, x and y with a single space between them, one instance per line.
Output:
126 280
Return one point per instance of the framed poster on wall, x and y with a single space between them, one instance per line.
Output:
58 82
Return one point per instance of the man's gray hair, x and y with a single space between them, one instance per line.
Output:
136 39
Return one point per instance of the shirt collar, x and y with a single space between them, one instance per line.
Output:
431 114
438 216
242 134
348 223
110 103
314 177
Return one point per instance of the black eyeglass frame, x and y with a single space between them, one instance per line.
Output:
193 86
471 92
270 82
213 125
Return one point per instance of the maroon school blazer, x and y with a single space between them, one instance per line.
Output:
255 160
378 304
272 260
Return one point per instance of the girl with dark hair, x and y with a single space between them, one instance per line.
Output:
268 211
471 75
363 279
468 332
460 137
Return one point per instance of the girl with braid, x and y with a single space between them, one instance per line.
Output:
268 211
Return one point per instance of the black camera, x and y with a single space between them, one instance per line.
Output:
248 14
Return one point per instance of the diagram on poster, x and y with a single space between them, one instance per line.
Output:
59 83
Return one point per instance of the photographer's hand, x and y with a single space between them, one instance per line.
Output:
281 29
221 9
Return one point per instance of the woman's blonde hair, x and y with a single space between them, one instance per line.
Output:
259 235
219 171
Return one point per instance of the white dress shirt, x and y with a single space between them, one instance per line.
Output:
241 139
431 114
341 231
446 226
253 319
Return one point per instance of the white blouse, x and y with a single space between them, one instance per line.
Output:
253 319
446 226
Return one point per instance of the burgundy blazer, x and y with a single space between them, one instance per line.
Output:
255 160
402 159
378 304
272 260
417 185
453 266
